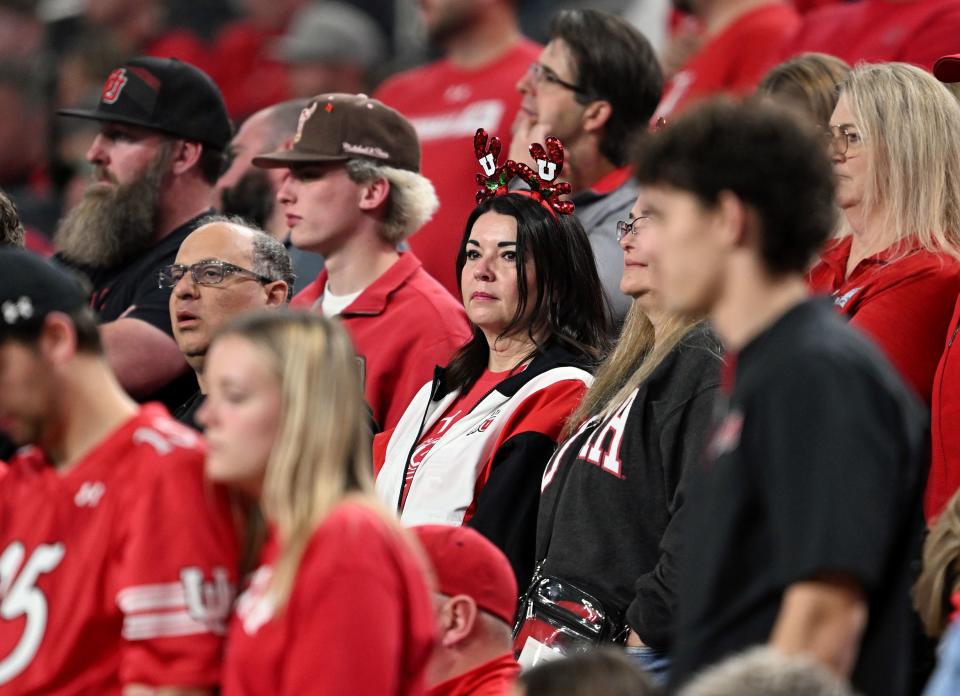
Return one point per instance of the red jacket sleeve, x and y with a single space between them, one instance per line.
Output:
909 322
306 298
175 573
413 370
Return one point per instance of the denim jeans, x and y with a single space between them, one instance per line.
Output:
654 662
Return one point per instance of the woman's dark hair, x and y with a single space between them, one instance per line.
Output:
600 672
569 306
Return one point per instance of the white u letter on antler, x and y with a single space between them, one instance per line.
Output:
548 170
488 164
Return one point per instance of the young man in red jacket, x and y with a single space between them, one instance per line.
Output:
352 192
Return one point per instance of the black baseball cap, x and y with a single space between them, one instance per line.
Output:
31 287
166 95
339 127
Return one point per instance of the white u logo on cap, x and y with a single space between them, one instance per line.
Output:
304 117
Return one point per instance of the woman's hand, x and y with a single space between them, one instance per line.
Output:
633 640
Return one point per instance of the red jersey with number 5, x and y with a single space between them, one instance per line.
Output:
119 571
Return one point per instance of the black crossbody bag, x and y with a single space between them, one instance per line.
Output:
561 615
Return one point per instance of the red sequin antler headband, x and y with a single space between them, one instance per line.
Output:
543 183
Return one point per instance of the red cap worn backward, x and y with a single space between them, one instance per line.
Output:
465 562
947 69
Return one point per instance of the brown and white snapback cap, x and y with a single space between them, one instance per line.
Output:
338 127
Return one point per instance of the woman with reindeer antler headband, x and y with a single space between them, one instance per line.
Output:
472 445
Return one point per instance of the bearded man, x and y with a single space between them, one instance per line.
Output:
163 133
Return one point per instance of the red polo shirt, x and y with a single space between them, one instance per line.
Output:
903 298
403 325
494 678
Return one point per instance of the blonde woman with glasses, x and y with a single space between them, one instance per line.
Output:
610 497
895 143
339 604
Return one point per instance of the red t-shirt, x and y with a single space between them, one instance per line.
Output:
464 404
733 60
493 678
944 479
904 304
359 619
446 104
402 326
120 571
875 31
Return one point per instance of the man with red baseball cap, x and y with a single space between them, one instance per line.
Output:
476 601
947 68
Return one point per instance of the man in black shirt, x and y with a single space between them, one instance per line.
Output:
163 132
801 523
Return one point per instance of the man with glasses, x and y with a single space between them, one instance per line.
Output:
223 269
448 100
595 86
163 132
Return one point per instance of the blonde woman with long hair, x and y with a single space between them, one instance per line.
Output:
340 603
895 142
611 493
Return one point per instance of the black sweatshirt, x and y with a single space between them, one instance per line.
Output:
613 531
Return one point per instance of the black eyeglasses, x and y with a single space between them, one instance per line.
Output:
205 273
840 139
541 73
632 227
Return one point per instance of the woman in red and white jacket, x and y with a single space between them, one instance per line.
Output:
471 446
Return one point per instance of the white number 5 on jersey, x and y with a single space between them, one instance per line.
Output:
19 596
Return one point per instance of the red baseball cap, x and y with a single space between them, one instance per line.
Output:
465 562
947 69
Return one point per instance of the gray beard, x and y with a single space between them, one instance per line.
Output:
112 225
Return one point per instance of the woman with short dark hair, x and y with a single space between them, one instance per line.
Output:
472 445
